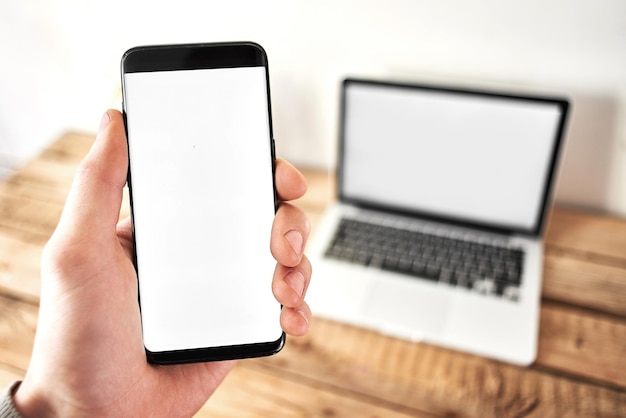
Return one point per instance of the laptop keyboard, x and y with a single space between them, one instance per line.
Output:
482 267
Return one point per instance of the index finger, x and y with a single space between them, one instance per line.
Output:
290 183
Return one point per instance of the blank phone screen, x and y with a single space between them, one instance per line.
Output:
203 205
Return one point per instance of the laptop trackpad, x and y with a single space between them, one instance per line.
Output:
401 308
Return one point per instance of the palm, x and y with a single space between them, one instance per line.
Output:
102 314
88 358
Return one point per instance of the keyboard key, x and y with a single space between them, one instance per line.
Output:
456 261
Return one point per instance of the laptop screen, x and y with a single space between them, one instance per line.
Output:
477 158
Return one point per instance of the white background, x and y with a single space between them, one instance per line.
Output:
202 219
60 65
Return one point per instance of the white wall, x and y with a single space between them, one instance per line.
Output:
59 65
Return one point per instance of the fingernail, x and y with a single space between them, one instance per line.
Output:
104 122
296 281
295 240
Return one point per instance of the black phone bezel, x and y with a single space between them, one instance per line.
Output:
178 57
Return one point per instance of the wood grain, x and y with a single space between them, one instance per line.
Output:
273 395
583 343
361 367
592 235
581 282
255 392
18 321
340 370
27 219
435 380
19 270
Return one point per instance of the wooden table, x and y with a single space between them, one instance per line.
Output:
339 370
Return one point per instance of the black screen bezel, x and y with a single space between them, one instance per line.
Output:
193 57
539 224
154 58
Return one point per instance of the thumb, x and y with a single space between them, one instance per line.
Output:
94 201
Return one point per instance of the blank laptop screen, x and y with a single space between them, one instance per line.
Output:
473 157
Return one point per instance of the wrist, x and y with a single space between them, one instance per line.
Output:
29 403
7 406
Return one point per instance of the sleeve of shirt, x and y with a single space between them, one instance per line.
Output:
7 408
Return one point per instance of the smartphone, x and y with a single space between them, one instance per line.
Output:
201 181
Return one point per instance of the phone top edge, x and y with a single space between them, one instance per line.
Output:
170 57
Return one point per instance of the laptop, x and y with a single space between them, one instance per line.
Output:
436 234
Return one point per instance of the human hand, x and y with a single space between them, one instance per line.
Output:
88 358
